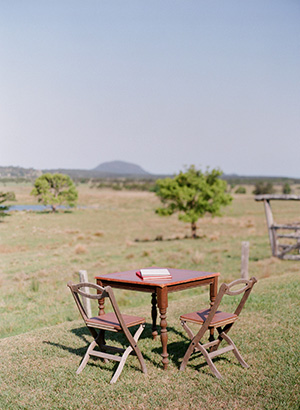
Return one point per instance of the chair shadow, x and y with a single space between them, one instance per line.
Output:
176 351
84 334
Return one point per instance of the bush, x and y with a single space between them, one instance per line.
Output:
5 196
286 189
263 188
240 190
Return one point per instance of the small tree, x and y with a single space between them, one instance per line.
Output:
286 189
192 194
54 190
5 196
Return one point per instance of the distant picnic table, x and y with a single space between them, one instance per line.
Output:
282 250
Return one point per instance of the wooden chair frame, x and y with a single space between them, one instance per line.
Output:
114 322
222 321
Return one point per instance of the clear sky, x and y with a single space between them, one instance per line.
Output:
160 83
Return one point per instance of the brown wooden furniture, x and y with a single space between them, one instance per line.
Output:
114 322
181 279
292 239
222 321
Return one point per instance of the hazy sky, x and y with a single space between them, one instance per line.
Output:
160 83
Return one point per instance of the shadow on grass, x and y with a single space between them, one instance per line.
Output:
49 211
84 334
160 238
177 351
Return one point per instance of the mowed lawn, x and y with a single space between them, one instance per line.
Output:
43 340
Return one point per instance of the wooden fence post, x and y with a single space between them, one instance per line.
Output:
270 223
83 277
245 260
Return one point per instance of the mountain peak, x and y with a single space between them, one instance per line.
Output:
120 168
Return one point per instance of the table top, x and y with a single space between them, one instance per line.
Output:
178 276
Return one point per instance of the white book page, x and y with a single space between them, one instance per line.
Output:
155 272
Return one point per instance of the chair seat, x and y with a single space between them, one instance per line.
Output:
110 321
220 318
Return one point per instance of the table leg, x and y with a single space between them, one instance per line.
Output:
162 299
213 294
100 302
154 315
213 290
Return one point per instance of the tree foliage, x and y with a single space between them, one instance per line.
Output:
192 194
54 190
5 196
263 188
286 189
240 190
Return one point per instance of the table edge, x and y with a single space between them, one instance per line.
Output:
157 284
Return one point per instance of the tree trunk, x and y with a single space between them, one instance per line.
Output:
194 230
53 208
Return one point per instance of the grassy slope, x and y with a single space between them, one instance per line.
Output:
38 368
41 252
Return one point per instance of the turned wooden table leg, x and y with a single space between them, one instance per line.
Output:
164 337
100 302
213 294
162 296
154 315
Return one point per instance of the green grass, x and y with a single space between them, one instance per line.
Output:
43 340
38 368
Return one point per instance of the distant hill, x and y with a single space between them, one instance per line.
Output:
19 172
127 170
120 168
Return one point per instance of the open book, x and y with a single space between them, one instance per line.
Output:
154 274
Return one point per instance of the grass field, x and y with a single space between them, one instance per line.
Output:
43 340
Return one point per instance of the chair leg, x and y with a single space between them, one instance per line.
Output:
137 349
187 355
210 363
187 329
235 350
121 365
206 356
127 353
86 357
101 343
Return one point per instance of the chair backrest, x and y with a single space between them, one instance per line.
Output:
246 289
226 289
107 292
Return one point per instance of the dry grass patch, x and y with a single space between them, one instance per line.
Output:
197 257
12 249
80 249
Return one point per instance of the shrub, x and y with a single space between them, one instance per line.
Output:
5 196
286 189
240 190
262 188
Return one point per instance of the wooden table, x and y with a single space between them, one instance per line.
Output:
181 279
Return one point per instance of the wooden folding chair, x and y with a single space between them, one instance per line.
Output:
114 322
222 321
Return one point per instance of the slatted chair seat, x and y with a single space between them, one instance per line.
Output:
217 319
110 321
220 318
114 322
